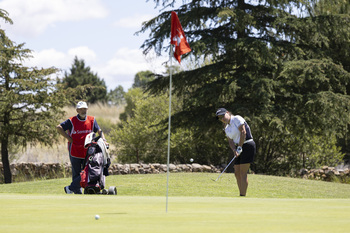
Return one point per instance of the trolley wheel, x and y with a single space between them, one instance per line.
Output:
112 190
104 192
92 190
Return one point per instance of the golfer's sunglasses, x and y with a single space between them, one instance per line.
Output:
220 117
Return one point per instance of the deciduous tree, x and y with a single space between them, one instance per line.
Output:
116 96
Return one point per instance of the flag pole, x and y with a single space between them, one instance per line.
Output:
169 124
181 47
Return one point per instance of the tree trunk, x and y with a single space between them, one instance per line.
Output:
5 160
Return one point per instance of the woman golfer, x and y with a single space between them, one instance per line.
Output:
241 142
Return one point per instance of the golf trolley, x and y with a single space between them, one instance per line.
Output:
96 164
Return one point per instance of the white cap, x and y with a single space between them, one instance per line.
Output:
81 104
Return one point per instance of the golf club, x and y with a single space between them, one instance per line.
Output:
225 168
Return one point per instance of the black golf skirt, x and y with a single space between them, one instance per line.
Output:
247 155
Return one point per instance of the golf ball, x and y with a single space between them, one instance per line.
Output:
97 217
191 160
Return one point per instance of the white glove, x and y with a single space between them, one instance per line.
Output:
239 150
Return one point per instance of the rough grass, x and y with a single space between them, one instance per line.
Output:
99 110
105 114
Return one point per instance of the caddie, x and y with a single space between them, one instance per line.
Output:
75 130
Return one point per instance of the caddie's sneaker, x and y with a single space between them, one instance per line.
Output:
67 190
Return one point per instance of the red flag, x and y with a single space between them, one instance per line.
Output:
178 37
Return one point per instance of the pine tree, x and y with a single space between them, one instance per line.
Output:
93 88
273 62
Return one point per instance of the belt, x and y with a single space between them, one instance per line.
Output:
249 140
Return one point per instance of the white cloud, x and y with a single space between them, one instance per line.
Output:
122 67
119 70
34 16
125 64
62 60
134 21
127 61
64 18
48 58
84 53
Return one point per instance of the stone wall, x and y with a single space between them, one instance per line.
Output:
326 173
30 171
156 168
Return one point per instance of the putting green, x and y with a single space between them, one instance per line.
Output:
75 213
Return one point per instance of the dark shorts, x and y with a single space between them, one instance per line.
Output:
248 154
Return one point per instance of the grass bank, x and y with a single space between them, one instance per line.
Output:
197 185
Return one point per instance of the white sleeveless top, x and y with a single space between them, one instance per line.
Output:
232 130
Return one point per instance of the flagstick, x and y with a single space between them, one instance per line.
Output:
169 124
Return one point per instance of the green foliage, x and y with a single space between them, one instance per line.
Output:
309 97
283 153
140 82
130 98
29 103
116 96
4 40
322 150
93 88
142 78
331 7
137 138
4 15
144 135
106 125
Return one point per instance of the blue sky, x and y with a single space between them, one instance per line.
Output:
99 31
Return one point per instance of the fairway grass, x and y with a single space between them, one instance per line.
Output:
72 213
196 204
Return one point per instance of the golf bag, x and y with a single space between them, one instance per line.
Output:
96 164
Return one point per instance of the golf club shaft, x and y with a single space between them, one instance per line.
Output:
226 167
